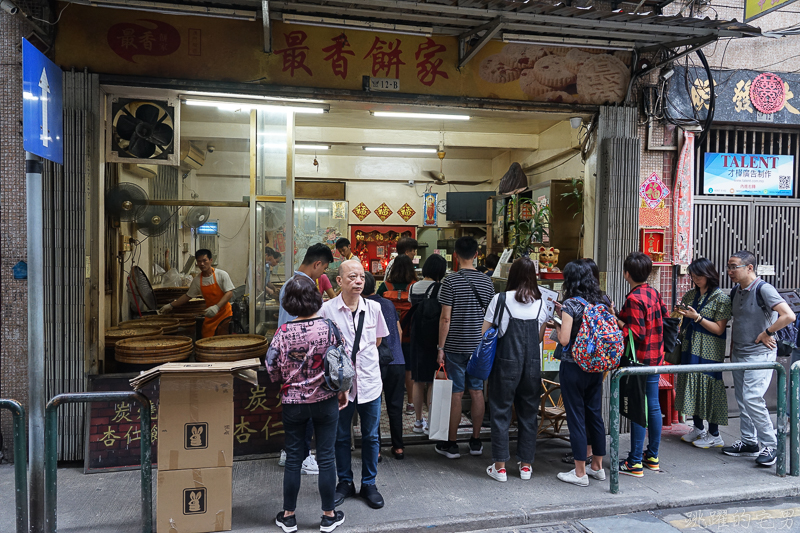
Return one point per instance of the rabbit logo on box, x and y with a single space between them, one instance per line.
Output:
196 436
194 501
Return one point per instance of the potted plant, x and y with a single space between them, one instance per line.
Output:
530 230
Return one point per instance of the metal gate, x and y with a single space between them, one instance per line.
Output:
768 228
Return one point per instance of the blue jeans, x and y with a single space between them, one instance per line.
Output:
370 416
324 416
653 425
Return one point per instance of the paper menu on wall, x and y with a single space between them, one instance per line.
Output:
503 259
550 298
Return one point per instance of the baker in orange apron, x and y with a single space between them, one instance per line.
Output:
216 288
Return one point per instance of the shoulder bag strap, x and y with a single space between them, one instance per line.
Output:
357 340
500 309
474 291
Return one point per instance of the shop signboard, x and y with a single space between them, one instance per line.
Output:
748 174
754 9
125 42
113 429
741 96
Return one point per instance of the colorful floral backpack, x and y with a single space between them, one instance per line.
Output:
599 345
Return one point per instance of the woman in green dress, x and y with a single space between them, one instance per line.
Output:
706 311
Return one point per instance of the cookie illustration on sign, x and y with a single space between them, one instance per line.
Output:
603 78
553 72
494 69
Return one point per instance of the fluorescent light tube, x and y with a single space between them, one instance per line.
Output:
312 147
232 106
400 149
436 116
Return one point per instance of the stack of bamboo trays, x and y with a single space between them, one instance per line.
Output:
230 348
157 349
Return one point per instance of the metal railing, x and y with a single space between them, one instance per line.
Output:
617 374
794 422
20 462
51 451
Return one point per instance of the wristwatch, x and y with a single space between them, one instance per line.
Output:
770 333
439 348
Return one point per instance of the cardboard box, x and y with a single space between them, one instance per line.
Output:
194 500
195 417
195 443
195 421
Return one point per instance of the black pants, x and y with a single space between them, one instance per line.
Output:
394 377
325 417
516 381
582 393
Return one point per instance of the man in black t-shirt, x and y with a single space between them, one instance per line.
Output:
464 297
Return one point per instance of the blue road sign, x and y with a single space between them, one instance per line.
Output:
42 118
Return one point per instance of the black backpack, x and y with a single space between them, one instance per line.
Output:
423 318
786 337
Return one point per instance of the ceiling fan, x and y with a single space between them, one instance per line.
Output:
439 177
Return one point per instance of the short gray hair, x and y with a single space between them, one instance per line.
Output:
747 258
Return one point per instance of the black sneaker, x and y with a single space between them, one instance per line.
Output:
371 496
767 457
740 449
475 446
448 450
329 523
287 523
344 490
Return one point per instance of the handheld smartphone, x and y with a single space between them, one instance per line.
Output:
557 319
682 306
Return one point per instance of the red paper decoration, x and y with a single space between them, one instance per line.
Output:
406 212
361 211
383 212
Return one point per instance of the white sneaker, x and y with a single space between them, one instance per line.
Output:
693 435
425 428
420 426
570 477
599 475
310 466
524 471
499 475
709 441
282 458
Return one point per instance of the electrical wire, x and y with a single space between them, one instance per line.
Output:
570 158
246 218
59 16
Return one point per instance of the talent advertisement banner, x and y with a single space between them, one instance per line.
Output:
746 174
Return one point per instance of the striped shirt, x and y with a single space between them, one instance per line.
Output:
467 314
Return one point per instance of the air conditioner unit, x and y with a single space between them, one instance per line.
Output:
192 157
141 171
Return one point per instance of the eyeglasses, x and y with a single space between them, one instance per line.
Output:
734 267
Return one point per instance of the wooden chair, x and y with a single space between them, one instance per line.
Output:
551 412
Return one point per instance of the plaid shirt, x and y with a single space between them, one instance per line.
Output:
643 314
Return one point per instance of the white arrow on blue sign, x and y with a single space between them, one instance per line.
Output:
42 115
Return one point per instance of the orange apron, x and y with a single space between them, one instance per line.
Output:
212 294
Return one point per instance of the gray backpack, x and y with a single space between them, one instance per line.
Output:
339 368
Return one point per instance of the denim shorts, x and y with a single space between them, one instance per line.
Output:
456 366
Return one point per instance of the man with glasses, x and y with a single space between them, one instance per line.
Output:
361 324
758 311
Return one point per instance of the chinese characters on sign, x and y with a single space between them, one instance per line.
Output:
741 96
152 38
115 428
759 175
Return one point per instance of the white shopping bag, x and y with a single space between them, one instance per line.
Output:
441 398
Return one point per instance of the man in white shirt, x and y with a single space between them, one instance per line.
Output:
348 310
216 288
